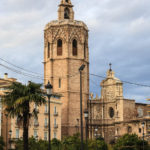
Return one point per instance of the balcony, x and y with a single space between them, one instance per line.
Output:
36 110
55 126
45 125
46 112
36 124
55 114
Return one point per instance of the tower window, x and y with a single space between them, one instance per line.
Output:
66 13
66 1
48 50
59 83
84 50
59 47
74 47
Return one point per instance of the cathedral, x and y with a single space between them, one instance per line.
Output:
65 50
111 116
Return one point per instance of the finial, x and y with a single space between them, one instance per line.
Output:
110 67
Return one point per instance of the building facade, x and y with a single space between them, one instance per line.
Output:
65 50
38 127
113 115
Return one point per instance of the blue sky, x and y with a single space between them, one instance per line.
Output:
119 32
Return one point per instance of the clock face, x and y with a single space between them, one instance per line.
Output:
111 112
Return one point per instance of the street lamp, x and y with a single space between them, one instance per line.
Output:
81 119
143 124
96 130
6 131
86 113
10 133
48 88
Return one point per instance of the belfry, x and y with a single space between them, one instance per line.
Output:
65 50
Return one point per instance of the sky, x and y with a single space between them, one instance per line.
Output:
119 32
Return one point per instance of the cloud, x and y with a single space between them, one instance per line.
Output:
119 32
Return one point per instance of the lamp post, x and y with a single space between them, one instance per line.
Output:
143 124
10 133
96 130
86 113
49 94
6 131
81 119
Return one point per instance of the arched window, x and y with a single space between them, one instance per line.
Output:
59 82
59 47
74 47
84 49
48 50
66 1
66 13
129 129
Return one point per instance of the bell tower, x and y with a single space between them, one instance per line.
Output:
65 50
65 10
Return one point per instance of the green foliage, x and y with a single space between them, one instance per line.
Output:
130 142
33 144
98 144
2 144
68 143
71 143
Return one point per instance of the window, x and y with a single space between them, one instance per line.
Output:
35 134
45 136
36 122
46 110
55 135
55 110
111 112
129 129
74 47
59 47
55 122
45 123
17 133
35 107
140 130
84 50
66 13
59 83
66 1
48 50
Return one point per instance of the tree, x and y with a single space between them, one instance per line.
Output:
18 100
98 144
130 142
2 144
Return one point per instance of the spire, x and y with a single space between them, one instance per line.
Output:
110 67
65 10
110 73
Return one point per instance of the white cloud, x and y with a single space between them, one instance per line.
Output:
119 33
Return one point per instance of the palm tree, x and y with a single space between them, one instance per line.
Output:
18 100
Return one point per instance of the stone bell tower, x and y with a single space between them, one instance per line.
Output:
65 50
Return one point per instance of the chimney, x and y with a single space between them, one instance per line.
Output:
6 76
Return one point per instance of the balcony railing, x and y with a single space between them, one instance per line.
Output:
55 126
55 114
46 112
36 124
46 125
